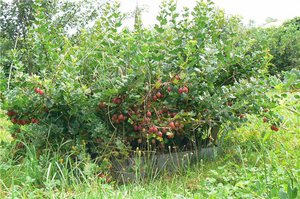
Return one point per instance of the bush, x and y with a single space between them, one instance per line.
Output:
110 88
284 45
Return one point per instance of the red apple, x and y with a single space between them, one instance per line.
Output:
140 127
265 119
274 128
149 114
41 92
153 129
22 122
185 89
11 113
154 98
135 127
147 120
117 100
114 117
229 103
159 95
159 134
172 125
121 117
180 91
14 120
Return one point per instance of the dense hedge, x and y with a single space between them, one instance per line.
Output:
284 45
111 88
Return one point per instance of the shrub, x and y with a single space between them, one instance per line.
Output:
284 45
110 87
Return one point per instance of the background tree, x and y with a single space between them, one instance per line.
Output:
18 18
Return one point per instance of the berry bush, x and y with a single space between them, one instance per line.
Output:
108 88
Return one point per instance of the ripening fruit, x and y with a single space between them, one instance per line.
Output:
149 114
101 175
159 95
242 116
140 140
34 121
147 120
265 119
180 91
22 122
117 100
11 113
159 134
153 129
121 117
266 110
274 128
185 89
170 135
135 127
102 105
172 125
229 103
154 98
114 117
14 120
41 92
169 89
177 77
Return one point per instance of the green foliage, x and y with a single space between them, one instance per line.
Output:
21 20
284 45
76 101
109 88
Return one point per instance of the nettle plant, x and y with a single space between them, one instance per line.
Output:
114 88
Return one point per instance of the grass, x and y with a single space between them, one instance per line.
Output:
4 125
256 163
